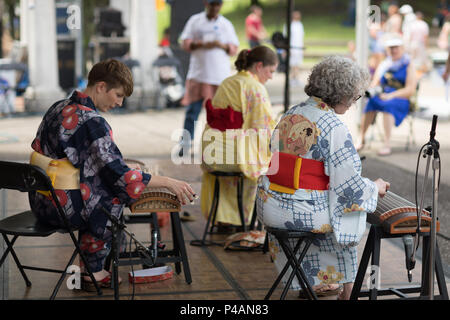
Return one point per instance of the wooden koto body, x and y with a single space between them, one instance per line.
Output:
156 200
399 216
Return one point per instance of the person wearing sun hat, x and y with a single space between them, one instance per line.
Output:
396 79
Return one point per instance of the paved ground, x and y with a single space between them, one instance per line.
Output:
152 136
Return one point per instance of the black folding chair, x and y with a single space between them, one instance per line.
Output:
28 178
284 237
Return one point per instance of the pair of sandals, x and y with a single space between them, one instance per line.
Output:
106 282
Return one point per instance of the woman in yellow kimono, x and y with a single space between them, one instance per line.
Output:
237 135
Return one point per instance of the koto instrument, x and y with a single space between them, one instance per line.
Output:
154 199
399 216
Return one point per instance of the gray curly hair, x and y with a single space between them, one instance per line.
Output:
337 80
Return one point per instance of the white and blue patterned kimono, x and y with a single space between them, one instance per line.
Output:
313 131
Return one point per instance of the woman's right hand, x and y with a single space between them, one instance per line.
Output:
181 189
383 187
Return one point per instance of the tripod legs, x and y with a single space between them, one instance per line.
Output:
372 250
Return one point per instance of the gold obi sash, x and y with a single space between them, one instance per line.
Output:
63 175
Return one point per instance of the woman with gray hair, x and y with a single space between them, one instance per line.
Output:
320 188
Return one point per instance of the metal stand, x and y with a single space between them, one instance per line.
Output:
144 255
116 227
372 252
431 152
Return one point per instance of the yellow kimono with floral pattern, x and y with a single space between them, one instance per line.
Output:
246 150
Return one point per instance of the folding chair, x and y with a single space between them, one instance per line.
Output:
28 178
284 237
215 204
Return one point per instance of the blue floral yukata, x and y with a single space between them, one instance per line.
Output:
312 130
74 129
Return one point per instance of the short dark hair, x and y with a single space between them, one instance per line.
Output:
114 73
247 57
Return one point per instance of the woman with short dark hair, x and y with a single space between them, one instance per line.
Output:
73 132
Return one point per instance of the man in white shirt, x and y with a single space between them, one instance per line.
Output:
297 35
210 38
408 19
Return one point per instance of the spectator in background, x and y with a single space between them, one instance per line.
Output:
7 98
395 77
210 38
418 40
351 14
384 5
409 17
394 21
165 41
297 36
447 69
351 50
443 10
254 27
376 46
444 34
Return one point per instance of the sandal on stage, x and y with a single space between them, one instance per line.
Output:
89 286
321 292
384 151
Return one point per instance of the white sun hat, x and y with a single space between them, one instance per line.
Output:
405 9
393 41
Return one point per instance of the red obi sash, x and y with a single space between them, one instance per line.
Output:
222 119
297 173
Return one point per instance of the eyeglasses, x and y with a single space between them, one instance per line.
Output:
351 102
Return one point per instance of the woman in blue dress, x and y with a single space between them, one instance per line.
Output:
397 78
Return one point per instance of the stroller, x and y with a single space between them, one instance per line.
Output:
6 104
9 88
167 76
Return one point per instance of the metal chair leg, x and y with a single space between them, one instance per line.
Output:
211 216
253 221
215 204
240 191
363 265
63 276
16 259
297 268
